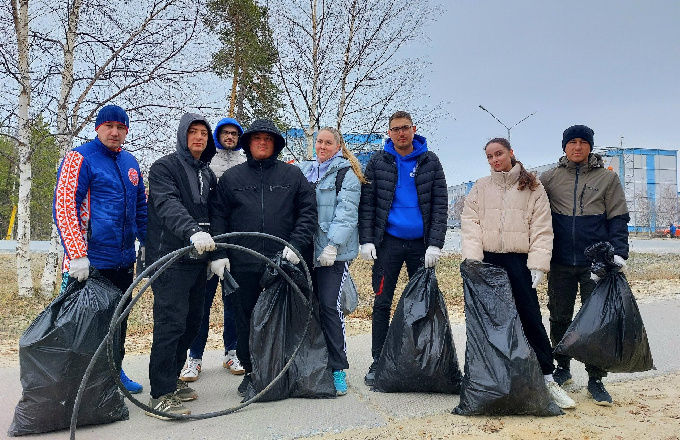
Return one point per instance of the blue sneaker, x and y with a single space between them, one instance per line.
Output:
339 382
130 385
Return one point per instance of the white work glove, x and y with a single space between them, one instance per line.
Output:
79 268
619 261
328 256
202 241
594 277
218 266
368 251
432 255
536 277
289 255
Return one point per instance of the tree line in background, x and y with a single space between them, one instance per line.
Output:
304 63
45 155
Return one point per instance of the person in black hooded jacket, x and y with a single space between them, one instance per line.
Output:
181 186
262 195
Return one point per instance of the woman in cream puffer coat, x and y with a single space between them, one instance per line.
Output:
506 221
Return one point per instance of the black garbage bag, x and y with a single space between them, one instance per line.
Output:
502 374
54 353
277 325
419 354
608 331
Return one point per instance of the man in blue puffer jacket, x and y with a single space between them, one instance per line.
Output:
100 209
402 218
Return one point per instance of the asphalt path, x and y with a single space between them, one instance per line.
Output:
296 418
642 245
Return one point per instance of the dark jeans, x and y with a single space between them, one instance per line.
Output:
563 284
392 254
122 279
177 310
244 300
526 303
228 334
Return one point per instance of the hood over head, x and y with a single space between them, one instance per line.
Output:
223 122
182 146
262 126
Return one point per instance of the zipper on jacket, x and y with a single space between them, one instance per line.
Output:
500 232
573 216
264 244
125 201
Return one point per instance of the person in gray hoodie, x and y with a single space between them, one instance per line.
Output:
228 154
181 186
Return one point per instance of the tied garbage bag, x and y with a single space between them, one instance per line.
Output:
419 355
277 326
502 374
608 331
54 353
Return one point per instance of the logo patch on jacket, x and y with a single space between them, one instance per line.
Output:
133 176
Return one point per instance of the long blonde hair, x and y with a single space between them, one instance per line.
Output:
353 161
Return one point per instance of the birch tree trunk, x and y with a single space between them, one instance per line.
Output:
23 254
314 102
64 139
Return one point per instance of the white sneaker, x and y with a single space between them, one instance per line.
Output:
559 396
232 362
191 370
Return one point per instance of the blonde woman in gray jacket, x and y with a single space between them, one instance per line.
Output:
336 176
506 221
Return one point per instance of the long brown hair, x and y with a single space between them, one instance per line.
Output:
526 179
353 161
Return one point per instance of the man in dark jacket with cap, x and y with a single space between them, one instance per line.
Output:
262 195
588 206
181 186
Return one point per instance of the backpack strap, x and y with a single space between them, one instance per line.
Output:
339 178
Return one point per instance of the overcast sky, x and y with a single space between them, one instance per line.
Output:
613 65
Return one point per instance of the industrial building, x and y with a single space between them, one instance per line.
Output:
362 145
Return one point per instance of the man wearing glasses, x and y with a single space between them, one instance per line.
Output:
228 153
402 218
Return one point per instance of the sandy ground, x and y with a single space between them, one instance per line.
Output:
648 408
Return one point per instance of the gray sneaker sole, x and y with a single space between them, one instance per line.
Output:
162 417
600 402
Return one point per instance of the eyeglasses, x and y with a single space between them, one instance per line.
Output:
229 133
403 128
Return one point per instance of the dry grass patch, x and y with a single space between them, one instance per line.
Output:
650 275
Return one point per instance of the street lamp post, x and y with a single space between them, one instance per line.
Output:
508 128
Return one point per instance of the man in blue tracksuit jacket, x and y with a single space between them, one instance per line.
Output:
100 209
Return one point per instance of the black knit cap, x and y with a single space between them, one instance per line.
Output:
262 126
578 131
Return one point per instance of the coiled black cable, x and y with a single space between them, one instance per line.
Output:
157 268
